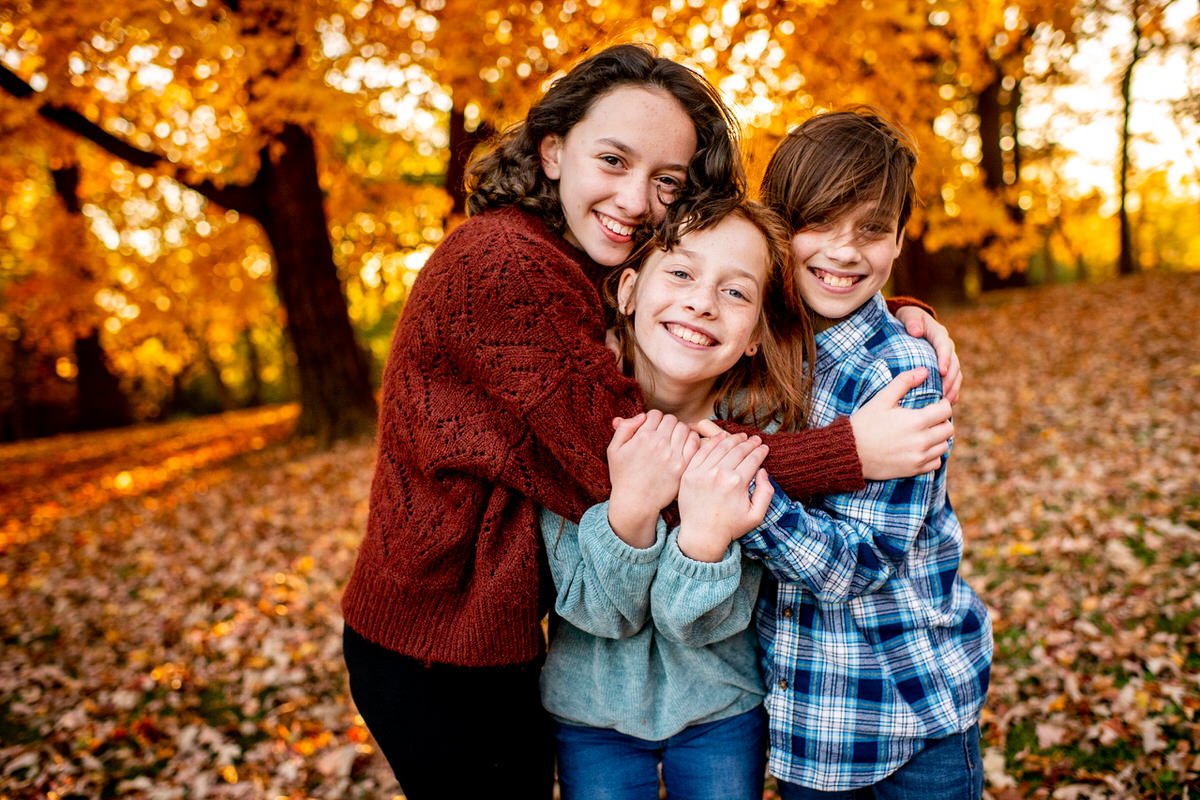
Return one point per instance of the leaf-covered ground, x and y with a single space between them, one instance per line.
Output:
168 594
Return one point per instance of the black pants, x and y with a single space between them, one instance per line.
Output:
451 731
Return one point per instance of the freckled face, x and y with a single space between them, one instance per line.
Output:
697 307
619 166
841 264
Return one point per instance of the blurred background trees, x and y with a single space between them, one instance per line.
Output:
210 204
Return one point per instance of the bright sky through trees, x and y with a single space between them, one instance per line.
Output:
1083 115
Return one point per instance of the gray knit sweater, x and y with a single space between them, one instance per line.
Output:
646 641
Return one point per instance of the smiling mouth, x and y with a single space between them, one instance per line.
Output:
614 226
835 281
689 335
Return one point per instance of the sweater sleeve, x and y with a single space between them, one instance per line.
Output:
697 603
819 461
894 303
814 461
603 584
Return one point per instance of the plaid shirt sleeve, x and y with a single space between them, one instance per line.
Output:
852 543
850 547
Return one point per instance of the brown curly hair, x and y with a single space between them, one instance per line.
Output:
510 173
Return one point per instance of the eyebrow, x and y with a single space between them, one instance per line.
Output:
624 148
739 271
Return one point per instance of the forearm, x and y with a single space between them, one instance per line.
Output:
814 461
602 584
834 552
698 603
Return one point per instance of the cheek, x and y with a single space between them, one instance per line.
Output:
802 249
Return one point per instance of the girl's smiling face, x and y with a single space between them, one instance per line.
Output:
620 166
697 309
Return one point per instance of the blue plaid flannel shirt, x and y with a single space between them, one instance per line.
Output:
873 643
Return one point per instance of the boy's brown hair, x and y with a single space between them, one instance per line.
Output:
837 161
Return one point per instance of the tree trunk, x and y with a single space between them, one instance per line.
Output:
997 110
989 105
938 278
224 395
1125 260
18 422
336 398
100 401
462 145
254 396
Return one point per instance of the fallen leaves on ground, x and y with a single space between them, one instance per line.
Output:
1076 473
169 594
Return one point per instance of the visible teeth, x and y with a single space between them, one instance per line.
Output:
836 281
689 335
616 227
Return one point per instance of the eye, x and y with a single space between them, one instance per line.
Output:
681 274
875 230
611 160
743 294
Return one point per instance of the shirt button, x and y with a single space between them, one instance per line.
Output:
787 613
783 685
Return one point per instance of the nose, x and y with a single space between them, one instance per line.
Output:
702 300
844 250
634 197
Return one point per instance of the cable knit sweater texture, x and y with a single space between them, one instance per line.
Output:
498 396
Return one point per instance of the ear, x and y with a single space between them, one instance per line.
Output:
755 342
550 149
625 289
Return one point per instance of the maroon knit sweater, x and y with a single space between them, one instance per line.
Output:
497 397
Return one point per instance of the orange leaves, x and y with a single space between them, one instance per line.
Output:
143 648
1074 471
180 635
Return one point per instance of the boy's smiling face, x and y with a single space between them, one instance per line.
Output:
841 263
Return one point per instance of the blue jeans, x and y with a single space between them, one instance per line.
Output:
945 769
722 760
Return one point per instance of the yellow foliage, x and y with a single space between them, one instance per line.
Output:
208 87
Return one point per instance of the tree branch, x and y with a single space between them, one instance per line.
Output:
243 199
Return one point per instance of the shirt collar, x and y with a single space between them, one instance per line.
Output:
848 336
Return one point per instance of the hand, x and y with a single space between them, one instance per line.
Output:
895 442
715 503
646 458
920 324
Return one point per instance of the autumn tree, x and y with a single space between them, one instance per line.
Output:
214 97
342 128
1147 33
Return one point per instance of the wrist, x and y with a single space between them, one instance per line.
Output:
636 527
701 548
